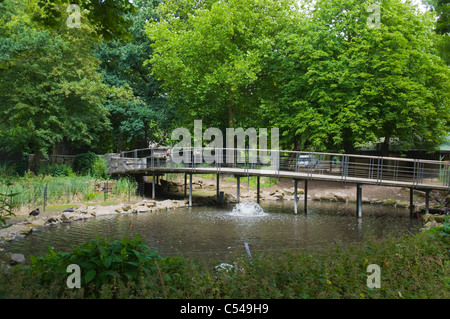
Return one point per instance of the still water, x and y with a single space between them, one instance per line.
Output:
220 233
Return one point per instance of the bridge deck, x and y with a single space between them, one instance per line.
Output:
287 174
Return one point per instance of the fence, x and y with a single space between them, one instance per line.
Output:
332 166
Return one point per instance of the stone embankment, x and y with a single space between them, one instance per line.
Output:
26 227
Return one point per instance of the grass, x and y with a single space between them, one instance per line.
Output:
64 191
264 181
411 267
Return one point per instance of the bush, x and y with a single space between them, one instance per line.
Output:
57 170
100 168
84 163
102 262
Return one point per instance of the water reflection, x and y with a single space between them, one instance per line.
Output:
211 231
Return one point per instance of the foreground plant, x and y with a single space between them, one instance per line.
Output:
102 262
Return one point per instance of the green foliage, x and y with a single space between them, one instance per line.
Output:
6 206
106 16
83 163
343 84
411 267
100 168
56 170
101 261
214 62
144 117
319 73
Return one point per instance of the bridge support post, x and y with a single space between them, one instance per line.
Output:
217 189
411 202
185 184
295 197
153 187
190 190
306 196
238 191
257 189
359 200
427 201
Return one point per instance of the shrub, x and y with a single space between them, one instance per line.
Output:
83 163
102 262
57 170
100 168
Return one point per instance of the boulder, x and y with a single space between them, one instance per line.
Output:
53 220
143 209
38 223
341 197
17 259
126 207
277 196
151 203
439 218
65 217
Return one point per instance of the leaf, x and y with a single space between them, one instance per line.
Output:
89 276
107 261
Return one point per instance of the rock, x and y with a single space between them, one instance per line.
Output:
389 202
277 196
436 217
53 220
17 259
341 197
38 223
403 204
143 209
126 207
288 192
65 217
439 218
431 224
151 204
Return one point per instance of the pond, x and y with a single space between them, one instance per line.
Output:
220 234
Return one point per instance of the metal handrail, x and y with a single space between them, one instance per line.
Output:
350 166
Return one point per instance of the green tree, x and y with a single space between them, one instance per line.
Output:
212 57
344 84
137 121
442 10
50 86
107 17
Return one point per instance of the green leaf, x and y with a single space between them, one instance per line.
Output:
90 276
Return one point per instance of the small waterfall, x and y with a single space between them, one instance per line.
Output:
247 209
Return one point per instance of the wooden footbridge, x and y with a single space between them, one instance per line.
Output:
415 174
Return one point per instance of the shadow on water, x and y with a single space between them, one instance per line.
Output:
210 232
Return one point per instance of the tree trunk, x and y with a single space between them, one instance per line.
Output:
231 115
347 143
385 146
35 161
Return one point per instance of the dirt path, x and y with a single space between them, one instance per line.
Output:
314 187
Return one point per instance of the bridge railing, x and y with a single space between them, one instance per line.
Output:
345 167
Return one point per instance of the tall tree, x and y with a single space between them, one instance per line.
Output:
49 84
212 57
353 83
107 17
148 116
